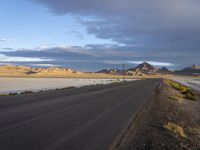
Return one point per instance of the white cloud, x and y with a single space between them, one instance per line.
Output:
91 50
155 63
3 40
7 50
66 48
45 65
4 58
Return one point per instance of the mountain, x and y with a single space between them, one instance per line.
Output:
111 71
164 70
142 69
195 67
22 71
55 71
145 68
11 70
193 70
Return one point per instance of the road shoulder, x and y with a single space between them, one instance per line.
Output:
166 121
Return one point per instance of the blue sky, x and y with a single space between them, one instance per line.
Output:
28 25
92 35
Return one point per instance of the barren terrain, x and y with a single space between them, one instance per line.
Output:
169 122
12 85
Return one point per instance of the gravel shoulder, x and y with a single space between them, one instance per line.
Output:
168 122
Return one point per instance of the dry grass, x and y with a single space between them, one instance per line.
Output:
4 94
175 98
13 94
178 130
185 91
26 92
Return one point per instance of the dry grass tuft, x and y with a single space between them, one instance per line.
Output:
176 98
175 129
187 93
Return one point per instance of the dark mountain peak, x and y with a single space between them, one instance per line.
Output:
193 70
145 63
110 71
164 69
145 67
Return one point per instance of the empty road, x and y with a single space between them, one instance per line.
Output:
87 118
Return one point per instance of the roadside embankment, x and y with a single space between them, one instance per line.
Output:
170 121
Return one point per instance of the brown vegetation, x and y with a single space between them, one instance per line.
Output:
185 91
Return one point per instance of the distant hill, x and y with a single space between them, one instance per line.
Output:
111 71
51 72
11 70
54 71
195 66
145 67
142 69
164 70
193 70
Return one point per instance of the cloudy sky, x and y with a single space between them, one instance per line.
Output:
97 34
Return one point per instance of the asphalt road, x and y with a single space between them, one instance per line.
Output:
87 118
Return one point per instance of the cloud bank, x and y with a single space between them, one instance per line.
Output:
160 24
90 57
164 33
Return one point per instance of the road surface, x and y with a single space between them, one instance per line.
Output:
87 118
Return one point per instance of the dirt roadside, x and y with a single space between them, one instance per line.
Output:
167 121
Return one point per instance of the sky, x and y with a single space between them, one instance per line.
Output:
90 35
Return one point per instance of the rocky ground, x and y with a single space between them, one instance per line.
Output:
169 122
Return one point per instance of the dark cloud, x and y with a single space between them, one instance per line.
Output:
95 57
73 52
137 21
144 30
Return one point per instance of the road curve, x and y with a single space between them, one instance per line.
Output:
87 118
